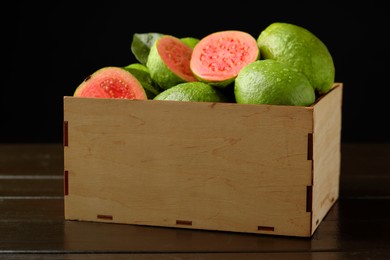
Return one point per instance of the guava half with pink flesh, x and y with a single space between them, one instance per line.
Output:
218 57
169 62
111 82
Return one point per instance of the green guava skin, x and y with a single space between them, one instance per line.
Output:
302 50
274 83
194 92
190 41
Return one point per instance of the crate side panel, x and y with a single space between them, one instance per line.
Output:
326 153
266 142
175 160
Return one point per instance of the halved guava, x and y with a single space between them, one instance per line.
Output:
218 57
111 82
169 62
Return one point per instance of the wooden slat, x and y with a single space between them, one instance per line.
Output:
28 159
21 210
384 254
31 185
365 170
326 153
221 138
355 225
220 166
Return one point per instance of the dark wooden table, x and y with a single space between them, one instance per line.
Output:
32 224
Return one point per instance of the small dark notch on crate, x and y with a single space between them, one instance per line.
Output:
105 217
66 188
309 198
265 228
184 222
310 146
65 133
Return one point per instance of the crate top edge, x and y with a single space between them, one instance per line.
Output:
336 86
204 103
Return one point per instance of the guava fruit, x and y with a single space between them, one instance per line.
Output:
301 49
190 41
141 72
274 83
111 82
192 91
169 62
141 44
218 57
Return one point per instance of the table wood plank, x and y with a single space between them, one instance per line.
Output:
38 225
49 185
204 256
28 159
365 170
32 224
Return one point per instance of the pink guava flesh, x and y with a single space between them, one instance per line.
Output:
176 55
111 82
221 55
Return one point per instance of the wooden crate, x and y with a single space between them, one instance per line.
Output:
215 166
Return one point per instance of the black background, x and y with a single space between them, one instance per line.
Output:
48 50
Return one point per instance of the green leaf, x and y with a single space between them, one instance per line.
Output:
141 44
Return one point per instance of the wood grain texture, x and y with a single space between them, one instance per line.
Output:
217 166
326 153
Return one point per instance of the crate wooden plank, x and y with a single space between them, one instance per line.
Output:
326 153
194 137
